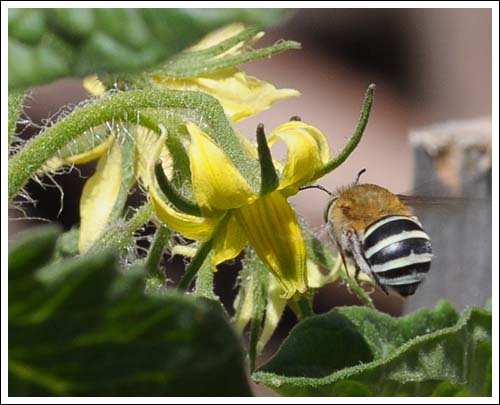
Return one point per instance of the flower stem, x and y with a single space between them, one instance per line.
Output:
260 282
356 137
195 265
157 249
127 107
120 236
301 306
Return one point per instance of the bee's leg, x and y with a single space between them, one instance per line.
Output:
359 258
356 274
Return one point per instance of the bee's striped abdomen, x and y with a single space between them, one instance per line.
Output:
399 252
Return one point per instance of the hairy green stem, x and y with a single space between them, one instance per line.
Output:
356 137
120 236
195 265
354 286
126 106
305 307
301 306
260 283
205 281
155 254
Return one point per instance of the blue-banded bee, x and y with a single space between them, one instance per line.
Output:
372 227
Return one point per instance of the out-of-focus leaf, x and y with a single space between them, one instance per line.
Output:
45 44
357 351
80 327
67 244
32 249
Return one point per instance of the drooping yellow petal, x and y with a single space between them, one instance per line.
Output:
274 310
50 166
217 184
241 95
65 156
145 142
307 153
273 231
317 279
243 305
216 37
192 227
99 197
229 240
94 86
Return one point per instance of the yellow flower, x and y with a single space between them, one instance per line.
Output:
232 214
105 192
240 95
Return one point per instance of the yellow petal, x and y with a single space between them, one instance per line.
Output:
192 227
62 159
94 86
241 95
91 154
307 153
229 240
99 197
317 279
51 165
243 305
274 310
145 142
216 37
273 231
217 184
184 250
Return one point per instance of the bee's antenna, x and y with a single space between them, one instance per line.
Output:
316 186
359 175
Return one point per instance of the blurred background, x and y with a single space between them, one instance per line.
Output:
430 66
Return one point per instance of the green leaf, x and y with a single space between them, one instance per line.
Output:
32 249
67 244
83 328
357 351
45 44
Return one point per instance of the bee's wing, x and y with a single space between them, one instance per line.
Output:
433 201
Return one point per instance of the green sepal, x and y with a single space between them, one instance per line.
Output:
269 178
178 200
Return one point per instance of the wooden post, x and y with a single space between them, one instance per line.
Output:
454 159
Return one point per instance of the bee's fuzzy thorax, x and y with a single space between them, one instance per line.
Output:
364 204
